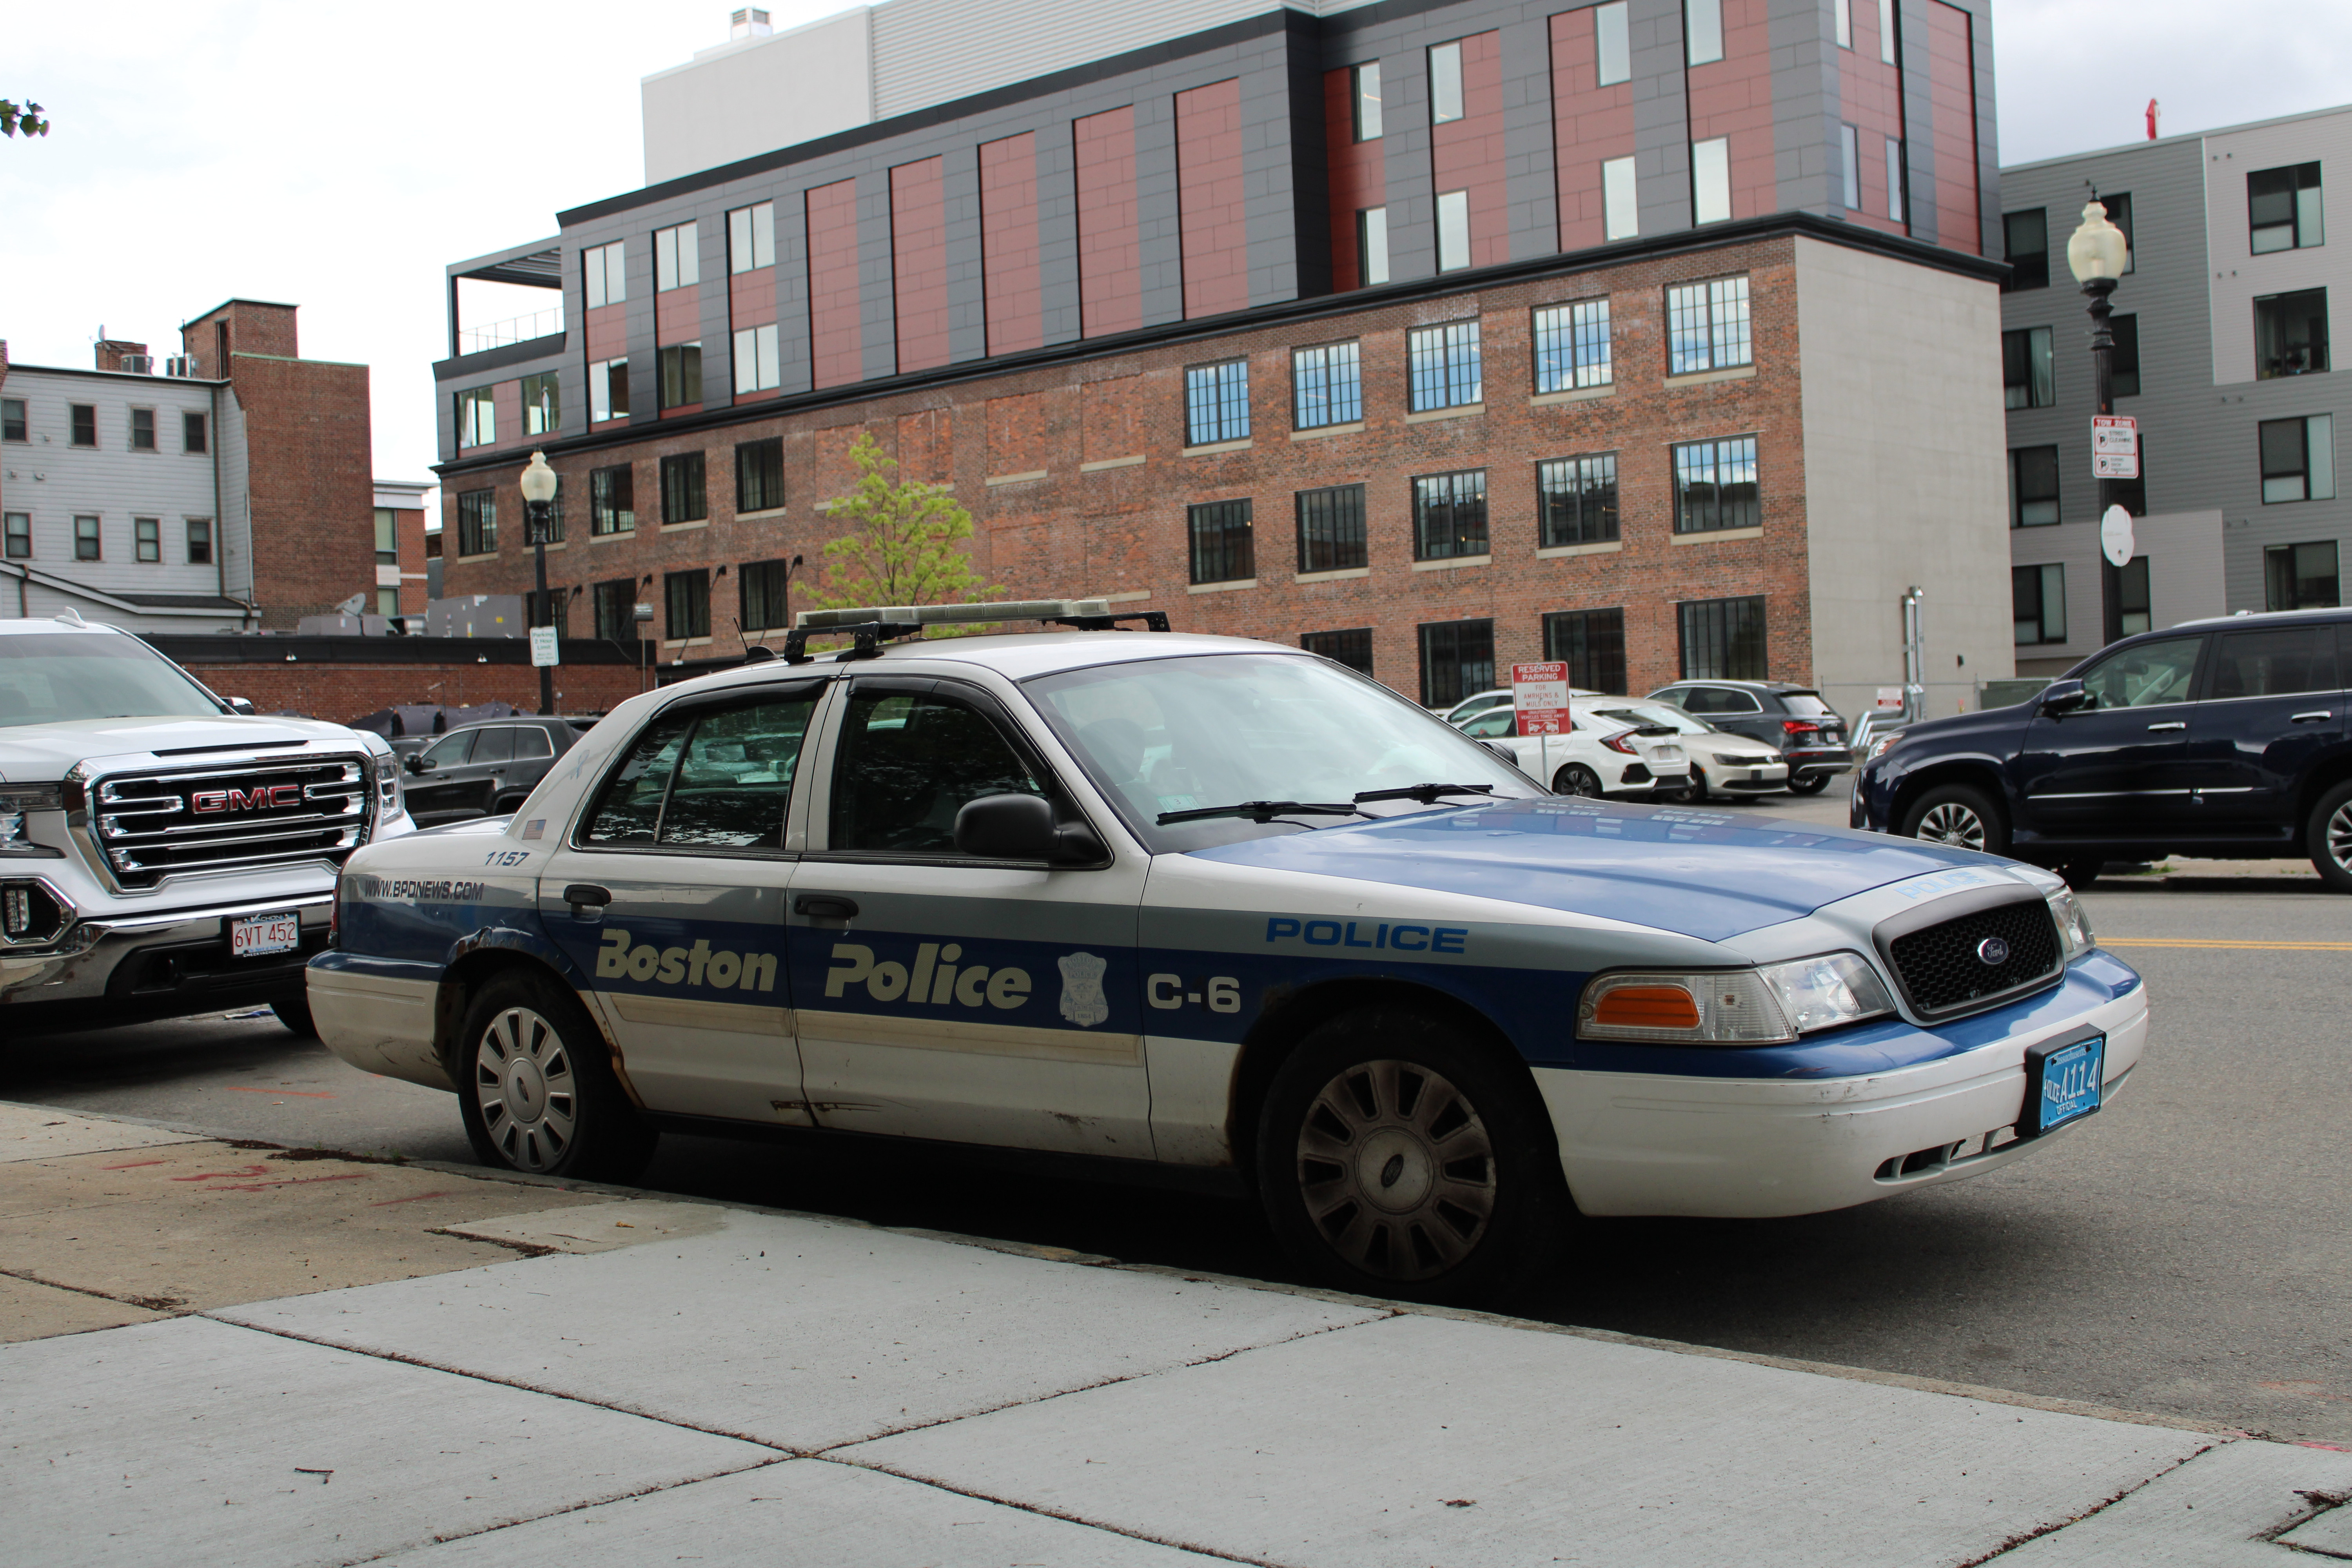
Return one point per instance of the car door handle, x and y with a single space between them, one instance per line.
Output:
2176 724
821 906
587 896
2311 718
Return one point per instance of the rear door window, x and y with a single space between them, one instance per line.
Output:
709 777
2274 663
531 742
495 744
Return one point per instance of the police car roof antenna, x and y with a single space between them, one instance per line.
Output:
871 627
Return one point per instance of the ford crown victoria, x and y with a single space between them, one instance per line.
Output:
1197 904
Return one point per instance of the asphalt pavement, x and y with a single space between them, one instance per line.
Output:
2188 1253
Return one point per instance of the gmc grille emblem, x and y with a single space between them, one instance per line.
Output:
260 798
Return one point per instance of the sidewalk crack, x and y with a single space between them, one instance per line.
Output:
2023 1537
171 1304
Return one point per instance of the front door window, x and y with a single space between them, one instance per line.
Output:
2148 676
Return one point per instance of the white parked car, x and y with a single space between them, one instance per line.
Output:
1720 762
1470 707
1597 754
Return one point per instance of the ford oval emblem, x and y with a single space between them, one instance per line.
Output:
1992 952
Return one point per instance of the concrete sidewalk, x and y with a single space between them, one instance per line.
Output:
633 1380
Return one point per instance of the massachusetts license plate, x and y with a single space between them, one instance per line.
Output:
250 936
2062 1084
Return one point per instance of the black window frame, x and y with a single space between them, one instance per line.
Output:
1725 505
1359 78
1332 531
1337 375
2283 576
2123 360
147 541
763 595
143 430
477 523
2018 499
2032 582
2295 179
1713 313
199 533
686 595
16 535
2135 601
542 394
2029 368
1591 643
1216 402
93 537
1691 627
1441 645
2271 437
1560 333
1445 361
2278 351
685 496
608 513
1450 516
2028 257
678 376
1221 539
1577 500
16 420
613 605
1351 647
760 475
196 432
83 422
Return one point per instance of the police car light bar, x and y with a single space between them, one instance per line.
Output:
872 625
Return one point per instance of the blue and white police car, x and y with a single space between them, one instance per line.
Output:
1208 904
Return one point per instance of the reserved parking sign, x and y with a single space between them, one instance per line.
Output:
1540 693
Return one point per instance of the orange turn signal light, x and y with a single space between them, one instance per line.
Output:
1647 1008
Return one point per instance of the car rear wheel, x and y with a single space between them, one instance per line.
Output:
1396 1158
1693 792
1575 779
294 1012
1812 784
536 1086
1958 816
2329 837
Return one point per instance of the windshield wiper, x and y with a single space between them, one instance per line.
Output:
1427 793
1260 811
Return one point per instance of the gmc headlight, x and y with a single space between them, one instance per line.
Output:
16 803
1769 1005
387 784
2074 929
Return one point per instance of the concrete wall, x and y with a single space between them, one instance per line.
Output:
1903 484
2184 576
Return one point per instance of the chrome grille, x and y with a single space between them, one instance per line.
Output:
1942 970
230 816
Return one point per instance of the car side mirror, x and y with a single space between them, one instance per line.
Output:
1019 828
419 763
1502 751
2063 697
243 705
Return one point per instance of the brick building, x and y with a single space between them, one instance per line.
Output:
1656 336
231 491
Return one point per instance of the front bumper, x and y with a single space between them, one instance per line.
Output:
159 964
1637 1143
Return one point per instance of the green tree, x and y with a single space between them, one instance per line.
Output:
25 117
905 543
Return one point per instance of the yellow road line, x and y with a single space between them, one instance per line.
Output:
2217 942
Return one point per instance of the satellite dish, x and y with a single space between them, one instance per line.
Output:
354 606
2116 536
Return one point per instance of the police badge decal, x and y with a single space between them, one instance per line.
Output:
1083 1002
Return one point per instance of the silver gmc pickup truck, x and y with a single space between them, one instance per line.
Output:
163 852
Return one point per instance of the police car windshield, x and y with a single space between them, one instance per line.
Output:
1176 734
49 677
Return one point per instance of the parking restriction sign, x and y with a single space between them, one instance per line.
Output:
2115 447
1540 693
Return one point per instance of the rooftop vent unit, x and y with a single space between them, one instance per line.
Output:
182 365
138 364
747 24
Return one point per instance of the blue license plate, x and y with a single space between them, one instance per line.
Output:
2061 1083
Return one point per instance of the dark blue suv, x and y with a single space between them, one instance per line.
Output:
2220 738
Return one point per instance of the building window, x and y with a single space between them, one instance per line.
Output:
760 475
682 492
608 390
752 238
1326 386
85 424
677 258
2033 487
143 429
2038 595
1711 180
1352 648
387 537
1222 548
1886 32
20 535
2298 458
1620 200
1573 346
764 587
1457 660
2135 611
1843 13
477 523
1895 180
2123 361
2025 246
542 404
1722 639
147 538
1368 101
1217 403
1706 326
681 376
12 419
612 499
2028 371
1452 231
86 539
1715 485
1372 247
1591 643
615 604
607 280
2301 576
477 418
1850 155
1331 528
193 437
1613 48
200 542
1444 83
1703 31
2290 333
1576 501
1443 367
757 365
1449 515
2282 208
2119 213
688 598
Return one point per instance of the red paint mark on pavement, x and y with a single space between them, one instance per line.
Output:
300 1093
294 1182
418 1198
132 1166
2331 1447
224 1175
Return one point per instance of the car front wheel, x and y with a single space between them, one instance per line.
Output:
536 1086
2330 837
1394 1158
1691 793
1959 815
1575 779
1812 784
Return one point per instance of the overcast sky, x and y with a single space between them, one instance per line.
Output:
338 156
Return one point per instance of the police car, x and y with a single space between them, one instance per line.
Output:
1204 904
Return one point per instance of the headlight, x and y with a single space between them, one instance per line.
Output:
2074 929
387 784
1769 1006
1725 760
1882 745
15 804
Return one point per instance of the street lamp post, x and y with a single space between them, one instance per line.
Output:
2096 254
538 498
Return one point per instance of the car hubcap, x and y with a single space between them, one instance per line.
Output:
1397 1171
523 1083
1576 781
1954 824
2339 837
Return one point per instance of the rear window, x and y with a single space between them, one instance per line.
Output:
1808 703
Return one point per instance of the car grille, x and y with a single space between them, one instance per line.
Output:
1940 968
230 816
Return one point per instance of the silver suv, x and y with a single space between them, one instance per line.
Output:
163 851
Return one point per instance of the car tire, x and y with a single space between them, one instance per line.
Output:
1961 816
294 1012
2328 836
1397 1158
1575 779
2081 874
1691 793
536 1086
1812 784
